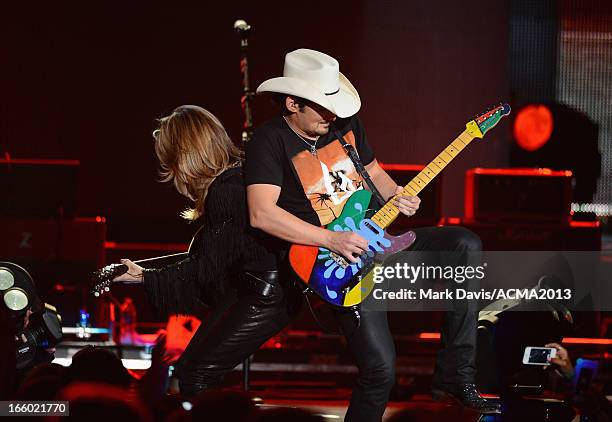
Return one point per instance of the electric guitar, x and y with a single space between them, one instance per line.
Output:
342 283
103 278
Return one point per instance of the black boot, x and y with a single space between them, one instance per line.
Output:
467 396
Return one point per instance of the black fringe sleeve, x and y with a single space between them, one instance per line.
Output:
174 289
217 255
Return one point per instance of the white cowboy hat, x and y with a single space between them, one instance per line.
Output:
315 76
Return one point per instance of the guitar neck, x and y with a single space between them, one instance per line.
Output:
389 212
161 258
194 240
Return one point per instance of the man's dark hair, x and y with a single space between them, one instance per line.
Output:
280 99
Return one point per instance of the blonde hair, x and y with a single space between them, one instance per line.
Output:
193 148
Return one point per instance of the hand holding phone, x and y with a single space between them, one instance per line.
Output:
562 360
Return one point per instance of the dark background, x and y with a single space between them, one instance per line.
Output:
87 81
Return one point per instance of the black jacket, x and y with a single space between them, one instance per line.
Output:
222 250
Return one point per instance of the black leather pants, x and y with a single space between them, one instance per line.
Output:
372 346
456 361
242 323
235 329
373 351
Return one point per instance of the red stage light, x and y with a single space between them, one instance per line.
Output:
533 126
584 223
565 340
429 336
522 172
583 340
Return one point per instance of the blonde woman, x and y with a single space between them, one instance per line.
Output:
223 270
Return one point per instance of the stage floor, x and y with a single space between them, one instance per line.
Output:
334 410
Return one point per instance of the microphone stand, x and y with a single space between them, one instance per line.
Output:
247 95
243 29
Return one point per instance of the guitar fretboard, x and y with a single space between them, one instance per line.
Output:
389 212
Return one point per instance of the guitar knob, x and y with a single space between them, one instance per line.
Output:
106 289
96 294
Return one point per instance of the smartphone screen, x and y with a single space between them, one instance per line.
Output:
539 355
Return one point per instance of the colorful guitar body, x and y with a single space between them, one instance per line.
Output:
329 275
346 284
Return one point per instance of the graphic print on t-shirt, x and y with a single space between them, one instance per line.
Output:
328 179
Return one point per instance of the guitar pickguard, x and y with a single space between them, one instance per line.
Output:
369 231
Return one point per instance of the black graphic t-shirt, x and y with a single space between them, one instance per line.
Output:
313 189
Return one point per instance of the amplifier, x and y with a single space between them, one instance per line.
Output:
520 195
430 209
534 236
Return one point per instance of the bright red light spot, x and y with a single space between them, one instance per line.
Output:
430 336
533 126
581 340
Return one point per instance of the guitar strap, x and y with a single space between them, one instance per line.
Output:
350 151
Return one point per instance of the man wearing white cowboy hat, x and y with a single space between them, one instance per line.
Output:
299 178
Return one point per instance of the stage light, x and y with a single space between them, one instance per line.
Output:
15 299
559 137
16 288
533 126
7 279
41 328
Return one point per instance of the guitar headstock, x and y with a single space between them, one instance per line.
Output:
487 120
103 278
